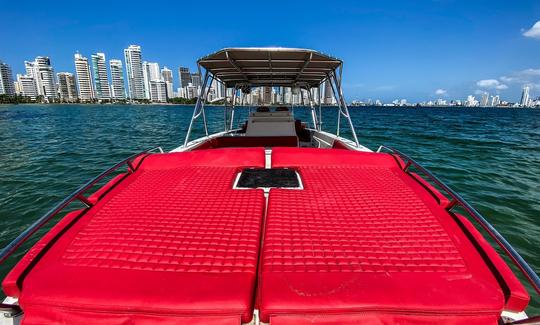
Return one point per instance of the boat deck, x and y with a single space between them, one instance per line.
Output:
362 240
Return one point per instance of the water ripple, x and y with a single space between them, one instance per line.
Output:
490 156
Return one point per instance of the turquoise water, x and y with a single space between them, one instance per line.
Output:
490 156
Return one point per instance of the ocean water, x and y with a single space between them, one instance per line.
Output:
490 156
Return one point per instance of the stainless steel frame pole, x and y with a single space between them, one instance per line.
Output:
331 80
320 107
233 108
196 110
345 108
313 112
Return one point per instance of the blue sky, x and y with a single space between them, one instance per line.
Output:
392 49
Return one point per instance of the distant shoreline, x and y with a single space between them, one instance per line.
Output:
351 107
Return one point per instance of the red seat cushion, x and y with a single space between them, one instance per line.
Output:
173 242
246 141
366 241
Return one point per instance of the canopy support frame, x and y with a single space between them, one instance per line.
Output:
199 108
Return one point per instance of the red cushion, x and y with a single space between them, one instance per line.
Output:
246 141
12 282
97 195
378 318
443 200
366 241
230 157
284 157
172 242
516 295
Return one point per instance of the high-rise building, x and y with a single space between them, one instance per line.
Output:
287 95
27 86
67 90
328 94
167 76
84 78
218 89
158 91
150 72
471 101
184 77
525 97
315 95
41 70
495 101
267 95
196 80
191 91
7 87
118 90
135 76
101 79
484 100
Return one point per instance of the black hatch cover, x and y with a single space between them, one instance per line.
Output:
274 177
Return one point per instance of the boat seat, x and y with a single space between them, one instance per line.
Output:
249 141
364 242
170 243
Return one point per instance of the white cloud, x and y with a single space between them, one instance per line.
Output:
385 88
479 92
441 92
530 72
491 84
487 83
523 76
508 79
534 86
533 32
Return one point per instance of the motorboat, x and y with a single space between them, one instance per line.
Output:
272 220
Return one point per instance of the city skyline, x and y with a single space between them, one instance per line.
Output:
147 81
150 70
418 50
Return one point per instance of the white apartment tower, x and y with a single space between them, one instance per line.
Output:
495 101
7 87
328 94
167 76
158 91
525 97
101 79
135 75
118 90
67 90
84 78
41 70
485 99
151 72
267 95
27 86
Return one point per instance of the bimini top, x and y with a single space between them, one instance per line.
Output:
269 66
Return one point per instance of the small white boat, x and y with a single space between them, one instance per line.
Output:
275 221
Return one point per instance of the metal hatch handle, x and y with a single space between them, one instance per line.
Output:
519 261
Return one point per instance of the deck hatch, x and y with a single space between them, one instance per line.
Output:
268 178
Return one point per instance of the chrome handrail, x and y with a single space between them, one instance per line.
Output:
9 249
516 258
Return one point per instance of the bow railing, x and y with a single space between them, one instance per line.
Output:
77 195
457 200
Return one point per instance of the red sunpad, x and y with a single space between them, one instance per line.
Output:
366 242
171 243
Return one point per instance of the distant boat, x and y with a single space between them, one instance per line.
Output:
272 220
